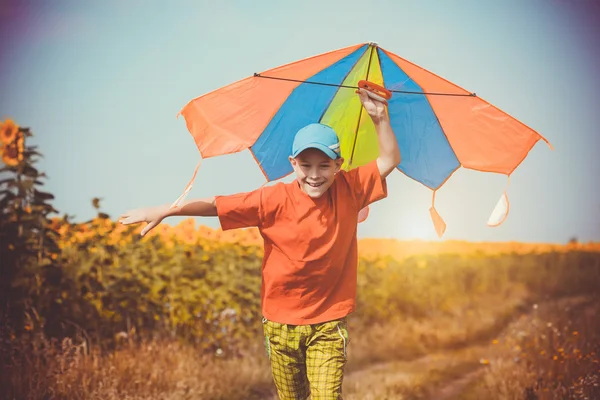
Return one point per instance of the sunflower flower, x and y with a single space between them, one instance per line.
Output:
8 131
12 152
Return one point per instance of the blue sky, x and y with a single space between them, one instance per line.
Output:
100 84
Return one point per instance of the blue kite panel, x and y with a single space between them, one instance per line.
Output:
426 154
305 105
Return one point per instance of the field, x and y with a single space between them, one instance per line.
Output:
177 315
89 310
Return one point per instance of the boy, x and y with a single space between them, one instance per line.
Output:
310 262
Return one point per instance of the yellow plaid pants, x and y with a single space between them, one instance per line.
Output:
307 360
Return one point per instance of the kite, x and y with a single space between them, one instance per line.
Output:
440 127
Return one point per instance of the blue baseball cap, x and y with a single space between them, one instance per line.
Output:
317 136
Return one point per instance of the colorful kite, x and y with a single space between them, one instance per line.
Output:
439 126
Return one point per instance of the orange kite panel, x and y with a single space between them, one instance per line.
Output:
230 119
483 137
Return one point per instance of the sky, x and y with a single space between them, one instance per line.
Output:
99 83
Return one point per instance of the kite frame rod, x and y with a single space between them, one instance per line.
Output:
257 75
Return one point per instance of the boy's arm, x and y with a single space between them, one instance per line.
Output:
154 215
389 153
196 208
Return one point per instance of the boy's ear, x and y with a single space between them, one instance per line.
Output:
338 163
292 161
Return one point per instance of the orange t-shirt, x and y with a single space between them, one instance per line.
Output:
309 268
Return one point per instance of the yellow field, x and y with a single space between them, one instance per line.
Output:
177 315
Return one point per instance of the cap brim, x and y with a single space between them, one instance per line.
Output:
330 153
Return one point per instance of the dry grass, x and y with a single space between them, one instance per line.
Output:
169 370
459 310
539 356
161 370
551 354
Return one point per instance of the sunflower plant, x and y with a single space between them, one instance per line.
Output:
28 248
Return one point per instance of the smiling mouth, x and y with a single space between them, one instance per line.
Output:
315 185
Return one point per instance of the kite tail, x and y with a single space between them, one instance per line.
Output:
187 189
438 222
500 212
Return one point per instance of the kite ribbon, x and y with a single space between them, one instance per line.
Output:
438 222
500 212
187 189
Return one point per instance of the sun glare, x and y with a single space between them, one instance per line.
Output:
416 227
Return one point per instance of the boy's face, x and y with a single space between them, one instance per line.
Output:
315 171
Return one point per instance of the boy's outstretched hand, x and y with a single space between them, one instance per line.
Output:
152 215
375 108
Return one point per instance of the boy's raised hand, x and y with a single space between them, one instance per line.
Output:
152 215
375 108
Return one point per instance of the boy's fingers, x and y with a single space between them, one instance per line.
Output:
130 220
364 97
126 215
148 227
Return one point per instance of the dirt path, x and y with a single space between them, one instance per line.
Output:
454 388
439 376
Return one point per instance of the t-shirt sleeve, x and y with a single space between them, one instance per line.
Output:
367 184
240 210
